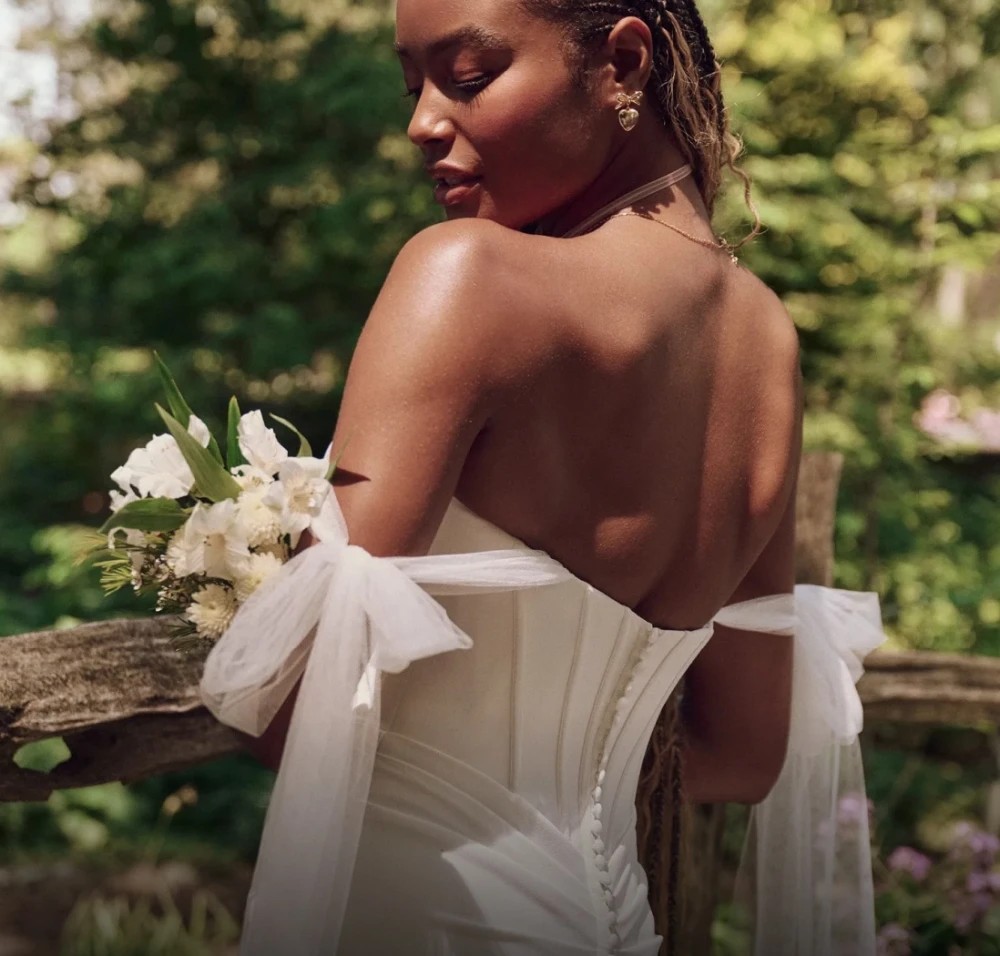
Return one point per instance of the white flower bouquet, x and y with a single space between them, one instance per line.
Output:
204 531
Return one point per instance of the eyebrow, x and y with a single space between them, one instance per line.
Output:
470 35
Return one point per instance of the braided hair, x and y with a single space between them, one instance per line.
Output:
685 87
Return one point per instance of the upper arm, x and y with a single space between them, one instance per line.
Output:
421 386
738 691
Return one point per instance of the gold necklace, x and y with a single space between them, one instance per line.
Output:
718 244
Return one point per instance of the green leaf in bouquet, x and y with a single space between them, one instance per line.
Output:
179 408
305 449
234 456
213 481
148 514
333 461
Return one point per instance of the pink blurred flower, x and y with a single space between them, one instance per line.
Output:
853 807
904 859
893 940
968 841
940 417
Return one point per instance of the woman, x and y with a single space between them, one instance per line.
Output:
571 367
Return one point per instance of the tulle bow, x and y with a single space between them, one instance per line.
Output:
806 870
336 616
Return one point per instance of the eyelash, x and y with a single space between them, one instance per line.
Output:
475 87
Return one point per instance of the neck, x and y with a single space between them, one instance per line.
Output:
638 162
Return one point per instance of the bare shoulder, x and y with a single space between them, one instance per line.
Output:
434 360
781 337
462 288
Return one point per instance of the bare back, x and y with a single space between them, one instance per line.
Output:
636 416
652 447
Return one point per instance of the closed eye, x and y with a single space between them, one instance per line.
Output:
474 85
466 87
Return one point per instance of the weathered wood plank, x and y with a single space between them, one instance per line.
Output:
57 682
926 687
122 696
126 750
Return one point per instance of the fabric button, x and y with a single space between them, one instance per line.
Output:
600 861
600 776
598 791
597 828
598 846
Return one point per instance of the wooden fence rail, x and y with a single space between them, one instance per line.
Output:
125 701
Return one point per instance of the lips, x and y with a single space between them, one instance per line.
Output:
452 183
453 180
453 187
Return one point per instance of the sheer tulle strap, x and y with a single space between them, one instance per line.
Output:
771 614
338 617
806 868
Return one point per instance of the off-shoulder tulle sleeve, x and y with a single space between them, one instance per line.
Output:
806 871
337 617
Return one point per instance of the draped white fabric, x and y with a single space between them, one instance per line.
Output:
806 870
336 616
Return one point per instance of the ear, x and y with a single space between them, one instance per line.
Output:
627 59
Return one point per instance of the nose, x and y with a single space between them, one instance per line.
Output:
430 124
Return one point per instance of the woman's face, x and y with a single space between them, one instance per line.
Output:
505 131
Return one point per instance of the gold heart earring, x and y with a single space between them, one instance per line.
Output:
628 116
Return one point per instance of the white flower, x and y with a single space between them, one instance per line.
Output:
298 494
248 477
259 522
258 569
158 470
198 430
121 498
210 542
135 542
259 444
211 610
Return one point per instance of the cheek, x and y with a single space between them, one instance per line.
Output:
539 147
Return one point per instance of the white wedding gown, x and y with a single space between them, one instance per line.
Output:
460 773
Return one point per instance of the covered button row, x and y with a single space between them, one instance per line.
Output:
601 862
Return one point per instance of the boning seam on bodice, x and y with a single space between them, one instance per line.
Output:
581 622
517 612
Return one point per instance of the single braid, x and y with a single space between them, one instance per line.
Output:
686 82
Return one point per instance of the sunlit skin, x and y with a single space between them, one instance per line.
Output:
627 401
494 96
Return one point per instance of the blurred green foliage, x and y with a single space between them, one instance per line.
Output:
214 812
873 142
238 181
236 184
117 926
